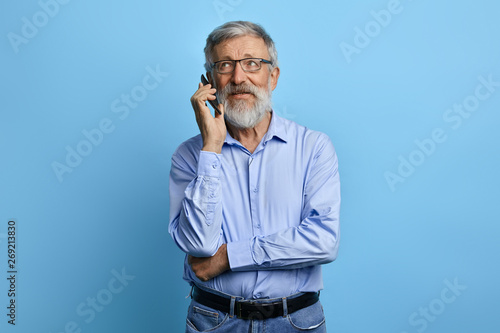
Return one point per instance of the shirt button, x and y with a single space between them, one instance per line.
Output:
257 295
255 190
214 166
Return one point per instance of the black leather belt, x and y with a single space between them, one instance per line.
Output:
251 309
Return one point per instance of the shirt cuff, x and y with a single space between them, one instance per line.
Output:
240 255
209 164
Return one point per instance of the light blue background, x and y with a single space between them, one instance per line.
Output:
110 213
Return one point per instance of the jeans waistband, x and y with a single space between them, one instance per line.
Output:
254 309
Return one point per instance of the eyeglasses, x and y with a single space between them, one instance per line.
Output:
247 64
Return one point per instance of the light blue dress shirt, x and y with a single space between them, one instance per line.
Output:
276 208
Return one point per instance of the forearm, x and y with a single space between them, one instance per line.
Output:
196 225
297 247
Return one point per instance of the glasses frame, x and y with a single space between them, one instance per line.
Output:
237 61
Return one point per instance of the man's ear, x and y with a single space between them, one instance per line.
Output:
275 74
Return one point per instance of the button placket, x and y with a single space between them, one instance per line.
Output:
254 190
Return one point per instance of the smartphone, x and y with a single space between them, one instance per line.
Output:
215 102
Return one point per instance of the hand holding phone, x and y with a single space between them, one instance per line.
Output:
215 102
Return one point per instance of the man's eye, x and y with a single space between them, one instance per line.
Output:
225 64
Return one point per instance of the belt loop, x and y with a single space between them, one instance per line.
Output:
285 307
190 292
232 306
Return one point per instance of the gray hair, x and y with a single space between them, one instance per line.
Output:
238 29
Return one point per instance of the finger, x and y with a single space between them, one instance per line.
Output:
199 99
204 93
211 96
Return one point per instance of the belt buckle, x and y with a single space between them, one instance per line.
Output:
239 314
238 310
262 311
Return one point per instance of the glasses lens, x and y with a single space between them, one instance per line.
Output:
225 66
251 65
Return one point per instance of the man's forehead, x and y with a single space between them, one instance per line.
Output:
243 46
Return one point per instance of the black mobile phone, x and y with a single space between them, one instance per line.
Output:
215 102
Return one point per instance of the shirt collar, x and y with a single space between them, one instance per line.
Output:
277 128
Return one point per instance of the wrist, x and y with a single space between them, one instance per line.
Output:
212 148
225 258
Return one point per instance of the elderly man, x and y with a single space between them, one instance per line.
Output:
254 198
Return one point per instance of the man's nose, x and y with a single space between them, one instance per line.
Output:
239 76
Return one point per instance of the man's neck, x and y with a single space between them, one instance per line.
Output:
250 137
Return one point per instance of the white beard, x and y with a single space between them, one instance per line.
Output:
237 112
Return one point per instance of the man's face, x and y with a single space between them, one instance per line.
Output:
244 94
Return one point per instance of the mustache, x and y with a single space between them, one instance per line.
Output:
231 89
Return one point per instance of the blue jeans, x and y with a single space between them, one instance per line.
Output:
201 318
